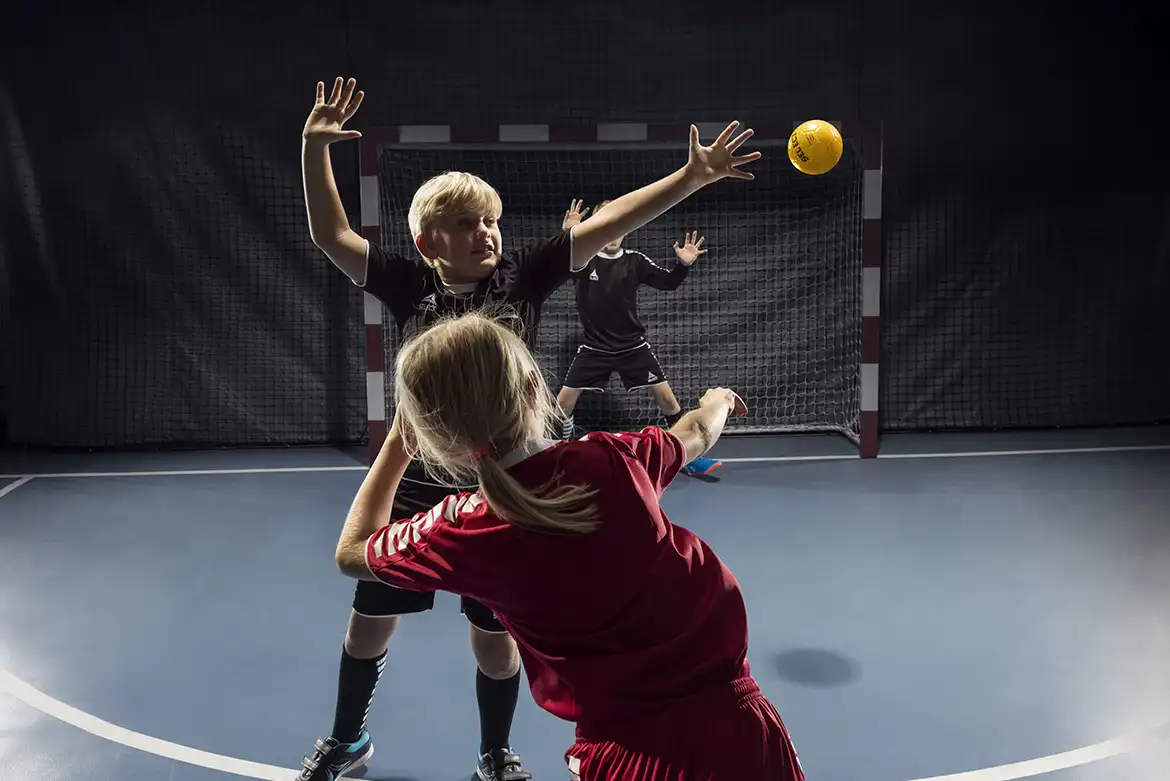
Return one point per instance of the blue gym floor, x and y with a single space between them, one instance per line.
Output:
975 607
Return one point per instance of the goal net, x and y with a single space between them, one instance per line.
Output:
772 311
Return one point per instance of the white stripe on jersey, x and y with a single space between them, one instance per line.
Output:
648 259
403 533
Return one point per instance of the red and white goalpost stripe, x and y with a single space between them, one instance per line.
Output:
616 132
871 287
371 229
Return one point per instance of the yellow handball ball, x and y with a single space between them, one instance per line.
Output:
815 147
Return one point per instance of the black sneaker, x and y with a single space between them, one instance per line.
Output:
331 760
501 764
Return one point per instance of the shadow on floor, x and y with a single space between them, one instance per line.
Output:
816 668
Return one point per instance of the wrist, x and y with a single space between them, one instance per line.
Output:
697 176
717 405
726 403
691 178
395 441
394 455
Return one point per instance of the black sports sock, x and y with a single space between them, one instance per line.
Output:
672 418
567 428
497 706
356 681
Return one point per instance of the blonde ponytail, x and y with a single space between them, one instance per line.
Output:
565 508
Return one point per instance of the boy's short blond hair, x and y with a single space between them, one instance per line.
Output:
449 191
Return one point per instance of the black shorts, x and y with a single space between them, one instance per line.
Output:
591 368
377 600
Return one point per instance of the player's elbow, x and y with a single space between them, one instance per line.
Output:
696 436
351 560
323 241
346 250
332 240
343 559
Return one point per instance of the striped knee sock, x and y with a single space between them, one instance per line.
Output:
567 428
356 681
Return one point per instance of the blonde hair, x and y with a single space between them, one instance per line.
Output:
450 191
469 391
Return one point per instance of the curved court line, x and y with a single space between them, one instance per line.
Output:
1050 764
729 460
103 729
13 486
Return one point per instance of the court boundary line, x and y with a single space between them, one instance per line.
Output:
86 722
13 486
114 733
1065 760
728 460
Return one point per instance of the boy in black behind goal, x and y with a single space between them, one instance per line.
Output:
614 339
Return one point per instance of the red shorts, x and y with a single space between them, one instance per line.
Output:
731 735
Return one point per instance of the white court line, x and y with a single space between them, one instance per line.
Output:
1050 764
785 459
103 729
1038 452
729 460
956 454
13 486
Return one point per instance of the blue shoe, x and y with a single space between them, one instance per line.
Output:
331 760
701 466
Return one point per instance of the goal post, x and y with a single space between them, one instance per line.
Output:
784 308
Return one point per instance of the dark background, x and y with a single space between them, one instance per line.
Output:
159 286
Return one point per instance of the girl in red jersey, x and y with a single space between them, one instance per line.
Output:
627 625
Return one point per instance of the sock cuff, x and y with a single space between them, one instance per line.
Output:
379 658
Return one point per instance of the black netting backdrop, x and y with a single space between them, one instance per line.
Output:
1024 296
187 304
773 310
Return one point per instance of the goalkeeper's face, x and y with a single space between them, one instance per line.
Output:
466 246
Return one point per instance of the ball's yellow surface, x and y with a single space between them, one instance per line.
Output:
815 147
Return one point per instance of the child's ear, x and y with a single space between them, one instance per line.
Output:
424 246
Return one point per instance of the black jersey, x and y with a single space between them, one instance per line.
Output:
416 298
607 296
520 284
